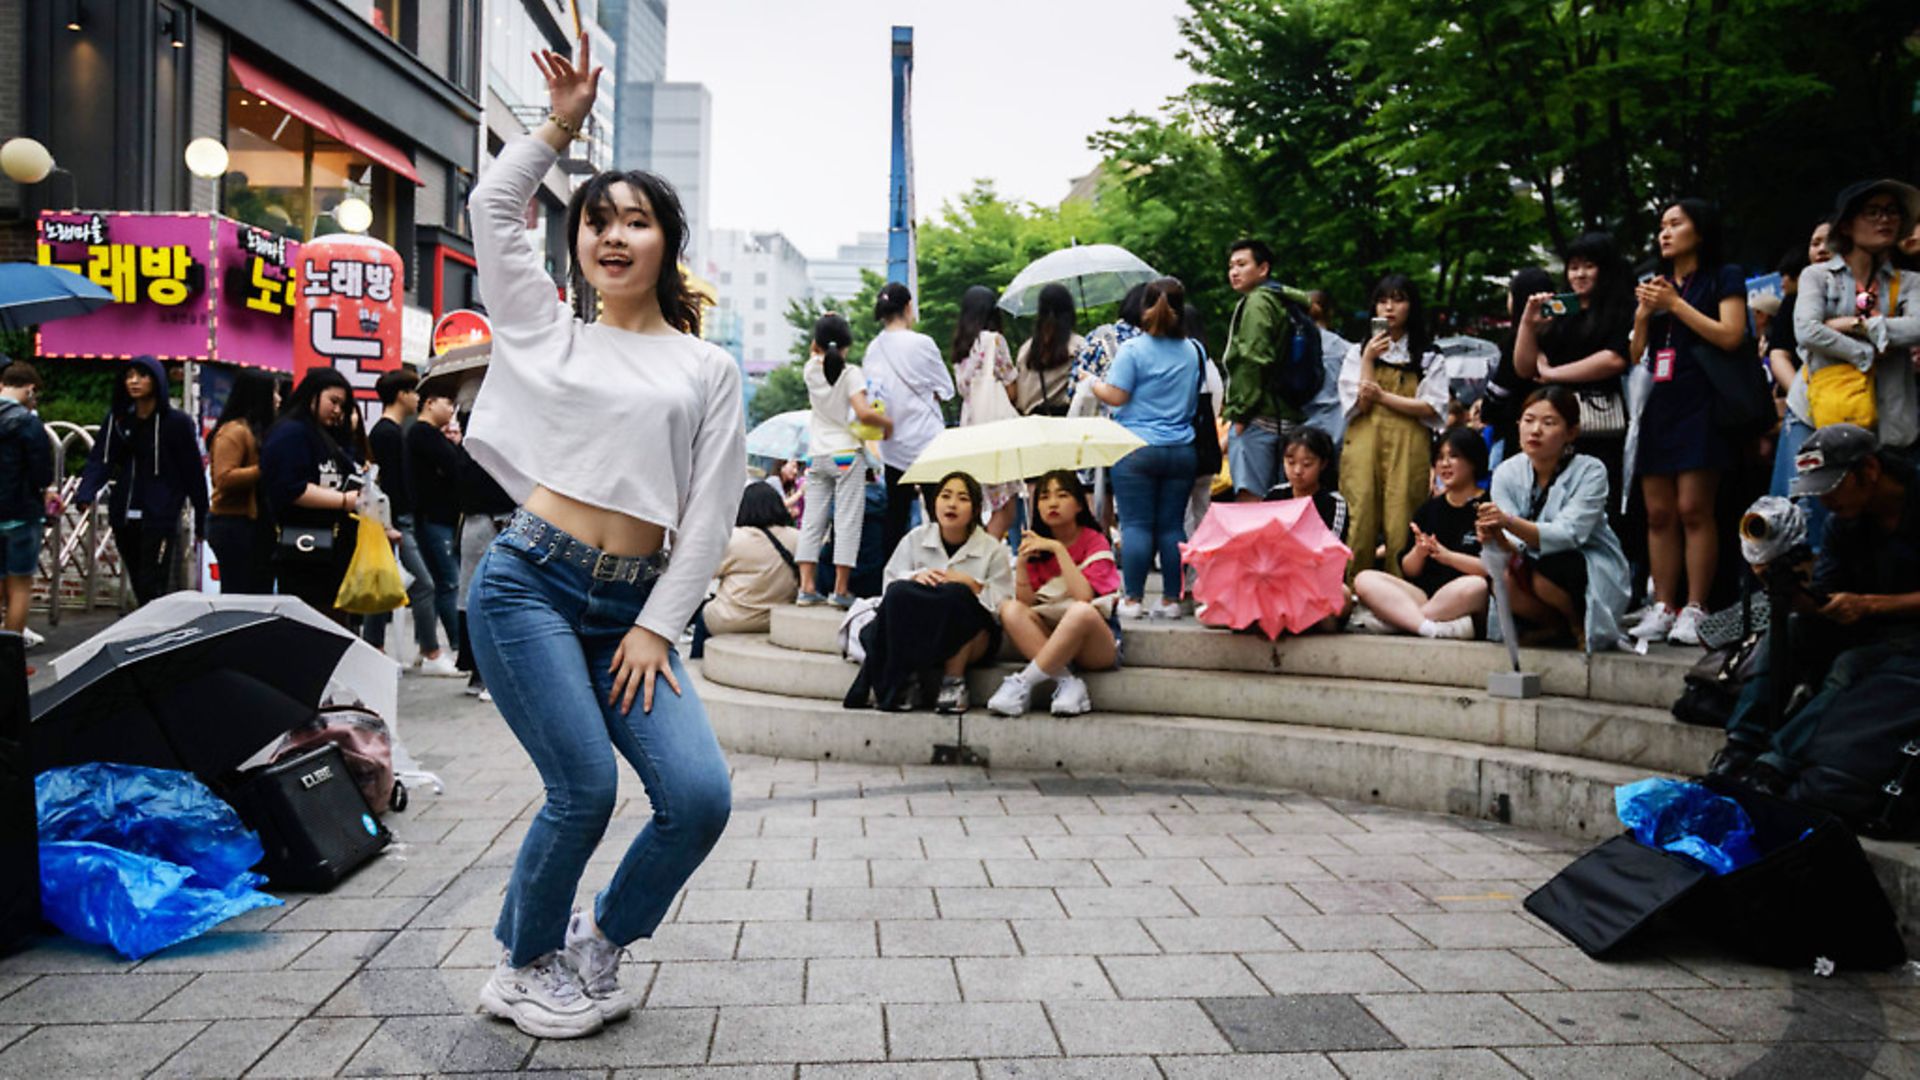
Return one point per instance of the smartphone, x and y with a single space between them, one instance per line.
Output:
1648 276
1376 327
1560 305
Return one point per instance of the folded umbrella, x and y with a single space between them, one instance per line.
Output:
1096 273
1006 451
782 437
204 696
31 294
1271 563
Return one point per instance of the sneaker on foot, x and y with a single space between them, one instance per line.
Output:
597 961
1131 609
486 696
1460 629
476 685
953 695
1168 609
440 666
1013 698
1686 626
543 999
32 637
1070 696
841 600
808 598
1364 621
1659 620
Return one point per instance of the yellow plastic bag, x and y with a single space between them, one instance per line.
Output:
372 585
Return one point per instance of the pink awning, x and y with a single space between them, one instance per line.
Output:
319 116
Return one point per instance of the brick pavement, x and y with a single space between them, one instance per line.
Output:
931 923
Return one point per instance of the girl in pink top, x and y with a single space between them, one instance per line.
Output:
1062 615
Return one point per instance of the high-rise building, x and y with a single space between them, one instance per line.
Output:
663 127
639 28
839 277
758 274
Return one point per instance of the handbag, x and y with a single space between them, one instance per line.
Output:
1206 436
308 544
1742 392
987 399
1841 393
1052 595
1603 413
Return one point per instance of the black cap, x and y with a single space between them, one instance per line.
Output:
1826 456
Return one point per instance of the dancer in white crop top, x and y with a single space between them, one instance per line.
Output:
622 439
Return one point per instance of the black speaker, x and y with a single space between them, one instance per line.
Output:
19 820
312 820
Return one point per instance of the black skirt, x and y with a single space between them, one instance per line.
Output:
917 628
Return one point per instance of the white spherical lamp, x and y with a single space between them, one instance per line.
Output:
25 161
207 158
353 215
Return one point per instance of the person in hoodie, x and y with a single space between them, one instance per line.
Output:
148 456
26 492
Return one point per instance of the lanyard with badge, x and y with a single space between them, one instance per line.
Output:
1665 355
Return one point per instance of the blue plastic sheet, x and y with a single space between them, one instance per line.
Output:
1689 819
140 858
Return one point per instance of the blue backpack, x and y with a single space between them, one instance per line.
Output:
1296 376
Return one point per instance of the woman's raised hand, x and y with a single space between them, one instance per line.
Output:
570 88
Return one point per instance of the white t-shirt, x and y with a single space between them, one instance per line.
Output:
904 368
649 425
832 407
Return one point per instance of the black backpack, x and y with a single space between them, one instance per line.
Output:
1863 761
1297 375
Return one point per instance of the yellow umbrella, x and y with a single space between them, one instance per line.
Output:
1008 450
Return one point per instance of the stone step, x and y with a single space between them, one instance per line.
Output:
1652 681
1559 793
1620 734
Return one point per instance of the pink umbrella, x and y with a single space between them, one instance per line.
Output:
1275 563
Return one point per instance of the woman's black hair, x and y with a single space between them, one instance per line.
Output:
1134 304
762 507
893 301
593 202
1419 334
1193 324
1562 398
1709 253
1525 283
299 404
1165 301
1313 441
1052 329
974 493
1466 445
1068 481
833 337
978 313
250 401
1612 298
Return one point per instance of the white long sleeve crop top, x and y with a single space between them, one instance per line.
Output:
649 425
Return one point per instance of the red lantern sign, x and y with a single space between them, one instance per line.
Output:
460 328
348 313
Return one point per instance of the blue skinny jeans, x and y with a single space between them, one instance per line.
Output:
1152 485
544 634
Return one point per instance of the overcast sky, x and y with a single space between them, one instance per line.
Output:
1003 89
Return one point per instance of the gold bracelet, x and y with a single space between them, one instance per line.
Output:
572 129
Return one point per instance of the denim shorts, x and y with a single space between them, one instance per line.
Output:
22 542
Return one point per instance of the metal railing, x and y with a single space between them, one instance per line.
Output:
78 544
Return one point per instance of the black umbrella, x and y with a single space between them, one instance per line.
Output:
204 696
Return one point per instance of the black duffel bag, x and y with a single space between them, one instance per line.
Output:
1862 762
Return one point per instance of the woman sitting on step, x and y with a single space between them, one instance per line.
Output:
1062 616
942 586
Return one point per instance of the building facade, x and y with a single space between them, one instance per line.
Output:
757 275
316 101
839 277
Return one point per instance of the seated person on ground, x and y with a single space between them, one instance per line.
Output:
1061 619
1445 585
1567 577
757 572
941 588
1862 611
1304 469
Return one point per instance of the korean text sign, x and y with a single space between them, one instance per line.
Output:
156 267
347 312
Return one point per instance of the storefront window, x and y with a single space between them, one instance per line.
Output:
287 177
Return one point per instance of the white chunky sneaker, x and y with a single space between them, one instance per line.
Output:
543 999
1013 698
597 961
1168 609
1460 629
1070 696
1659 621
1131 609
1686 627
441 667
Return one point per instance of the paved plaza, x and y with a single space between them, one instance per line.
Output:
934 923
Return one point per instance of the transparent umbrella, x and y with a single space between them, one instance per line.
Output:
1097 274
